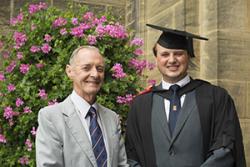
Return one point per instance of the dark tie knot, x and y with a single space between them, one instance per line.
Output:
174 88
92 112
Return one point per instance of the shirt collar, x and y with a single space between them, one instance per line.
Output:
181 83
81 104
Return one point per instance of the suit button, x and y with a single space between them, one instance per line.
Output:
171 152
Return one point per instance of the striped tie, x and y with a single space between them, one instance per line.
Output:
97 139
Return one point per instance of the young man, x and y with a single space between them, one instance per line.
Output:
182 122
79 132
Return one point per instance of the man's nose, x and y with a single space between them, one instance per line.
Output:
94 72
172 58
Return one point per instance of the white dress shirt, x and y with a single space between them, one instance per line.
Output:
82 108
166 85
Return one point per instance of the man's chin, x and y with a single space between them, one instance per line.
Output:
174 75
173 78
93 90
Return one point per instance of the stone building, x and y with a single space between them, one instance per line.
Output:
223 60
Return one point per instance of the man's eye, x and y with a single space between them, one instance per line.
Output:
179 53
85 68
165 54
100 69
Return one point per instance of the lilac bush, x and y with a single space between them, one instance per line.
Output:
34 54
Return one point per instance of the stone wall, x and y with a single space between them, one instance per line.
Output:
229 28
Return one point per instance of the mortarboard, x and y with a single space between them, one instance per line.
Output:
176 39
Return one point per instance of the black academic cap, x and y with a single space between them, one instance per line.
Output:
176 39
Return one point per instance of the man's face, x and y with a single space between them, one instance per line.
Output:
172 63
87 72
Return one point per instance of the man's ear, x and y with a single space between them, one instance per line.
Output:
69 71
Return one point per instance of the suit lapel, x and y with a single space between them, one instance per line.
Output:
76 128
160 114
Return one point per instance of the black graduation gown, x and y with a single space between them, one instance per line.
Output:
219 122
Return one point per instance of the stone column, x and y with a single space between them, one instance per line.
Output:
209 27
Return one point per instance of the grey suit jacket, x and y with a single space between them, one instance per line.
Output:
61 140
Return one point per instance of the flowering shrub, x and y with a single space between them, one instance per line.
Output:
34 55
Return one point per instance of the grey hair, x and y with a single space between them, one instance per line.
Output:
76 51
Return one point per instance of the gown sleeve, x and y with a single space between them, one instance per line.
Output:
132 141
226 142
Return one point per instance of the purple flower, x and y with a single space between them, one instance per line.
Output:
77 31
11 122
6 54
13 21
33 8
46 48
28 144
24 68
20 17
116 31
19 55
33 131
42 94
59 22
74 21
47 38
138 65
129 98
100 29
8 113
97 21
11 67
124 100
52 102
11 87
19 38
39 65
19 102
138 52
118 71
88 16
84 26
27 110
42 5
2 77
24 160
34 49
120 99
91 39
151 66
152 82
103 19
63 31
137 42
2 138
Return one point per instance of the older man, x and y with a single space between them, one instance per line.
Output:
79 132
182 122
